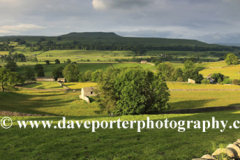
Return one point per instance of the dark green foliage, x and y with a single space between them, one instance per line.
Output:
81 77
47 62
227 81
235 82
11 65
70 73
231 59
177 75
96 74
57 61
9 79
69 61
205 81
88 75
29 73
132 91
189 71
218 77
38 67
165 70
57 73
40 73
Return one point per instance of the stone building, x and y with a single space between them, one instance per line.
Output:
45 79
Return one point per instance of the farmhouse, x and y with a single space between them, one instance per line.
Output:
191 81
45 79
61 80
87 92
142 62
209 77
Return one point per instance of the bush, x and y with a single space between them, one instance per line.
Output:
132 91
179 79
218 77
205 81
235 82
227 81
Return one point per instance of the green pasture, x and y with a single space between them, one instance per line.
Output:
231 71
174 85
79 85
44 85
162 144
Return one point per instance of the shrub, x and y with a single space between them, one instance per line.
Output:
179 79
235 82
205 81
227 81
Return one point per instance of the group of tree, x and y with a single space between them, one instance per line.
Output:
231 59
169 73
39 69
9 79
72 74
132 91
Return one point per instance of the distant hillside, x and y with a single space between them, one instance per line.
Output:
110 40
230 44
90 34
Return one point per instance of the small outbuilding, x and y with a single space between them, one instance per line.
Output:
45 79
61 80
142 62
191 81
87 92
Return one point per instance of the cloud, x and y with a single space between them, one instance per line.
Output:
119 4
16 29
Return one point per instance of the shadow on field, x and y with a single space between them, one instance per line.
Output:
26 103
189 104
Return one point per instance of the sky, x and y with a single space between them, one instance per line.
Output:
211 21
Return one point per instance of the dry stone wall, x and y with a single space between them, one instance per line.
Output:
232 151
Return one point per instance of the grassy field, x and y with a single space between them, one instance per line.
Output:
172 85
162 144
68 104
203 99
231 71
44 85
79 85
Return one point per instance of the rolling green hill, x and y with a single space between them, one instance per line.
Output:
110 38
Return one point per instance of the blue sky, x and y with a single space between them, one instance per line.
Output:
205 20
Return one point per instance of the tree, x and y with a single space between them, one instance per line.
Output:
9 79
38 67
70 73
88 75
96 74
57 73
132 91
69 61
29 73
57 61
218 77
47 62
165 71
40 73
177 75
81 77
11 65
231 59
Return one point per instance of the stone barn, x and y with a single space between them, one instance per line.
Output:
142 62
87 92
61 80
191 81
45 79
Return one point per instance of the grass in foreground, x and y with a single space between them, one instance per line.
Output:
162 144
